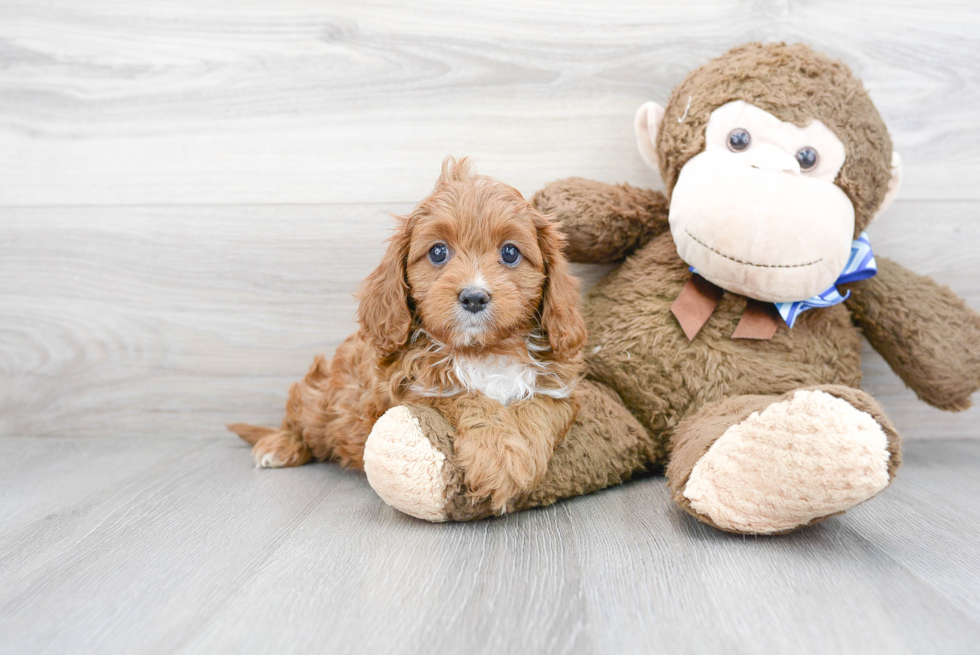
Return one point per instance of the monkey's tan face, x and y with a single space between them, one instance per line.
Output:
757 212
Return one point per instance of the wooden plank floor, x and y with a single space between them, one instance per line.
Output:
155 546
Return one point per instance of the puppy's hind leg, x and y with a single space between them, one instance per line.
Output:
286 446
273 448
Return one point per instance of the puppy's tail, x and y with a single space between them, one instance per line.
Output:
250 433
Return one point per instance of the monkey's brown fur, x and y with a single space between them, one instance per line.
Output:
653 397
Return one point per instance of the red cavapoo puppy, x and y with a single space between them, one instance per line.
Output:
472 311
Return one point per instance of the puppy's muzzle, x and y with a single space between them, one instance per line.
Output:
473 299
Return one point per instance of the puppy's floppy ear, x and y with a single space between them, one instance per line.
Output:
383 313
560 316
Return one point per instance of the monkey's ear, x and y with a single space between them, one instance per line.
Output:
893 184
647 124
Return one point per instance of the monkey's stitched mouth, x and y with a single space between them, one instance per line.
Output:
739 261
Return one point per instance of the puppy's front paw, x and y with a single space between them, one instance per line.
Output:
498 464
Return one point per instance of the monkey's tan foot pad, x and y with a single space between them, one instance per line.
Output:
797 460
408 462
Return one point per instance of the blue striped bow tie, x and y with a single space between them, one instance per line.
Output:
860 266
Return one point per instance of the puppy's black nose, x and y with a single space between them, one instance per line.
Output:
473 299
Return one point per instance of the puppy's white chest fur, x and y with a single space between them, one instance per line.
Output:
500 378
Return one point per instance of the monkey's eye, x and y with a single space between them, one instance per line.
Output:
438 254
807 157
739 140
510 255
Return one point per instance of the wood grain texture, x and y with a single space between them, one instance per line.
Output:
172 321
299 101
190 192
184 547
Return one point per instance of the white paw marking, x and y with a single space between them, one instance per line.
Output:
268 461
797 460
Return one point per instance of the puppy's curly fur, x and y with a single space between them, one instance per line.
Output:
502 374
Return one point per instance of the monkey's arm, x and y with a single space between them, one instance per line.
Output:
925 332
603 222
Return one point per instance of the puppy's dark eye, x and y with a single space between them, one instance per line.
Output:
439 253
739 140
510 255
807 157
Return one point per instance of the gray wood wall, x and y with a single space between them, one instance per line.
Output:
191 190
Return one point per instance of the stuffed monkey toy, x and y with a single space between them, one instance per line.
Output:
725 347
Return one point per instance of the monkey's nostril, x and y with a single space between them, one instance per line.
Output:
474 300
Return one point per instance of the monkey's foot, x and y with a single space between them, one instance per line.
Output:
768 464
408 463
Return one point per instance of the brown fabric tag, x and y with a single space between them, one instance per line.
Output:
695 305
760 320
